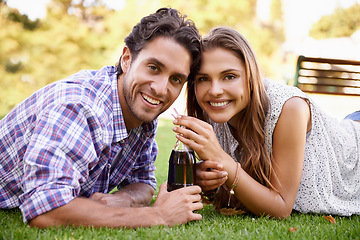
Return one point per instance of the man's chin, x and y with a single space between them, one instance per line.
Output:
147 114
149 117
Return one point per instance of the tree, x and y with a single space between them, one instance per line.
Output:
60 45
265 38
341 23
76 36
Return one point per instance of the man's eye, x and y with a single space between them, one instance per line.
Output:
176 79
153 68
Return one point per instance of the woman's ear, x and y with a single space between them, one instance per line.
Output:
125 59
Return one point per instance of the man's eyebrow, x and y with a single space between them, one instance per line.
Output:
202 74
156 61
159 63
182 76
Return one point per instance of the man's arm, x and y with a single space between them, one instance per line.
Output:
169 209
132 195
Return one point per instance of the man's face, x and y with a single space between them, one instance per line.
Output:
153 80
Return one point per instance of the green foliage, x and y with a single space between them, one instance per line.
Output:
265 38
341 23
28 24
59 46
212 226
75 36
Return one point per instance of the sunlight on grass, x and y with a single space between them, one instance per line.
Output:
212 226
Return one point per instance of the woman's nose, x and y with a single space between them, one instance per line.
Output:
216 88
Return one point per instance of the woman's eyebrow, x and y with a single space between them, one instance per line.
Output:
230 70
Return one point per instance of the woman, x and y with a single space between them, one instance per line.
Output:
265 147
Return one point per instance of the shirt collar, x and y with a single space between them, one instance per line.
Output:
120 132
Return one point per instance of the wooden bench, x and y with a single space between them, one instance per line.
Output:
328 76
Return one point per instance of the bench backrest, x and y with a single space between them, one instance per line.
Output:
329 76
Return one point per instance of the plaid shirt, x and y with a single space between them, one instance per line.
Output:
60 143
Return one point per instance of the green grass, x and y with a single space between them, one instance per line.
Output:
213 225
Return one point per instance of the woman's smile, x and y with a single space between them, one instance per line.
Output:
219 104
221 85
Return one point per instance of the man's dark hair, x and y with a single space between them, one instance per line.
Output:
165 22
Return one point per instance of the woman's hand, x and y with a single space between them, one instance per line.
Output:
200 136
210 175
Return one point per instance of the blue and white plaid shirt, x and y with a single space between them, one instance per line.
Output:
60 143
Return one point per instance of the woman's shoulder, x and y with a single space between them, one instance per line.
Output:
280 90
279 93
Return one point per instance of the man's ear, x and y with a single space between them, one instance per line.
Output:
125 59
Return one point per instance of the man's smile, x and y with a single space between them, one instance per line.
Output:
150 99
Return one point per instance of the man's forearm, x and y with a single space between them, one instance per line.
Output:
85 212
133 195
140 193
170 208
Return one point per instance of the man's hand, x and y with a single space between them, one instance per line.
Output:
178 206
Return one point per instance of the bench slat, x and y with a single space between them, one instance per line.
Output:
309 88
329 60
330 76
355 74
329 81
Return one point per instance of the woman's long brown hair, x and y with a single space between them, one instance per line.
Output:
255 159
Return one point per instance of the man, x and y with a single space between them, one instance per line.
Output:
66 146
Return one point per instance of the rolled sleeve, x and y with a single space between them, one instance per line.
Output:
44 199
57 160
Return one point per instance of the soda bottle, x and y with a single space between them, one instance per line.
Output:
181 167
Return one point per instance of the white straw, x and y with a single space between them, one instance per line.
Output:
177 114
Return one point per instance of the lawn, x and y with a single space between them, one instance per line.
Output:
213 225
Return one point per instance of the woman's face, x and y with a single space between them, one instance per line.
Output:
221 85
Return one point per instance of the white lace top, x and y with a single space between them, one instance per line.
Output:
330 182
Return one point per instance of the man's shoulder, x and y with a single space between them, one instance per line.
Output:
85 91
103 75
91 84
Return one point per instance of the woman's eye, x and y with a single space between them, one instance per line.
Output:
229 77
201 79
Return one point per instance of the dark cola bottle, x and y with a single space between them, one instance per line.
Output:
181 167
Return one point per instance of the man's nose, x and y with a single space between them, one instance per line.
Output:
160 86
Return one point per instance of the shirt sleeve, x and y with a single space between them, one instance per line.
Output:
57 159
144 168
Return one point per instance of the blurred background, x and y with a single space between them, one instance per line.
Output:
42 41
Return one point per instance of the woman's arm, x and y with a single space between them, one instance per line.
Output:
288 154
170 208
